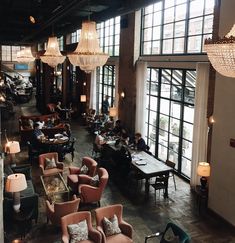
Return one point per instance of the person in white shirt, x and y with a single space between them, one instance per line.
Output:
100 139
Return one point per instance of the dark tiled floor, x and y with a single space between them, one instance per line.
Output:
146 216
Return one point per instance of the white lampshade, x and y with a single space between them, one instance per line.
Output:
88 54
16 183
52 56
13 147
83 98
113 111
203 169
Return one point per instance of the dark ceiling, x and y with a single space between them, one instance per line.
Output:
58 16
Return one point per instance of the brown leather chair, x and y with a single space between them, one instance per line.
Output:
42 163
74 173
126 229
74 218
91 194
57 210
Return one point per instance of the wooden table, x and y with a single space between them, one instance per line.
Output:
152 168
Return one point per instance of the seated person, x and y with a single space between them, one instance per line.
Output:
67 131
124 136
140 143
50 122
117 128
38 135
100 139
40 123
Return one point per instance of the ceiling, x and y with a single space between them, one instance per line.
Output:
55 16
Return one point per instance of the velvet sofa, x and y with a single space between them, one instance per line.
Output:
26 126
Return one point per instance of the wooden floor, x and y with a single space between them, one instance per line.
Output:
146 216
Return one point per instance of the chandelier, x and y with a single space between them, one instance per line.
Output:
25 55
88 54
52 56
221 53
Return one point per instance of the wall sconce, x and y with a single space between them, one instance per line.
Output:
211 120
122 94
84 83
83 98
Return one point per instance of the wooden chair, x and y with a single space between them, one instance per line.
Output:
172 165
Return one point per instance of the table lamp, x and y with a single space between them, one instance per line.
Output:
203 170
12 147
112 111
16 183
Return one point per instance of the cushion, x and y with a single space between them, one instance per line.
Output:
111 226
95 181
170 237
78 232
84 170
50 163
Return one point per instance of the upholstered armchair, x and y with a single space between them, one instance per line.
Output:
89 193
74 218
75 176
125 236
42 164
57 210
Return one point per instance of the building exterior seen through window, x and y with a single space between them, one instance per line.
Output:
170 115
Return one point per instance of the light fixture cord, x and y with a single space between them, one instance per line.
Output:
89 10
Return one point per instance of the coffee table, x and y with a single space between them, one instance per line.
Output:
55 188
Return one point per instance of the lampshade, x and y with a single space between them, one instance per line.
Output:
25 55
83 98
88 54
16 183
113 111
221 53
52 56
203 169
13 147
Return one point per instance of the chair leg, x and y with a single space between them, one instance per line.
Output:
99 204
174 181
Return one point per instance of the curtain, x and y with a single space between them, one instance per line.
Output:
116 95
141 78
92 103
200 130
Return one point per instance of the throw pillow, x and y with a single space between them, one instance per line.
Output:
95 181
78 232
50 163
84 170
111 226
170 237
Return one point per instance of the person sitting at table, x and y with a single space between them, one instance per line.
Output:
100 139
117 128
124 137
67 130
40 123
140 142
38 135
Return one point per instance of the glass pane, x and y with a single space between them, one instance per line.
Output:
186 167
147 34
195 26
147 48
175 109
203 40
174 158
152 133
180 12
156 47
168 31
196 8
167 46
148 20
175 126
209 8
154 75
163 122
189 95
152 117
179 45
174 143
148 9
158 6
157 18
165 90
176 92
187 149
156 33
164 106
188 131
153 103
169 15
180 1
162 152
189 114
169 3
179 29
194 44
208 23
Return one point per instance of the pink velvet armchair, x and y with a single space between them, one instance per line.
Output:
91 194
74 173
126 229
94 236
57 210
42 164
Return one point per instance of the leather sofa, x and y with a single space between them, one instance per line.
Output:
26 129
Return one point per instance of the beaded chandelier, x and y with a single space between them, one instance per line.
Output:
52 56
25 55
88 54
221 53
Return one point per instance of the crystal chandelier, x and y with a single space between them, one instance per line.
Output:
221 53
88 54
52 56
25 55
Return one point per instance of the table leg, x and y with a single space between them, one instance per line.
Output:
147 186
